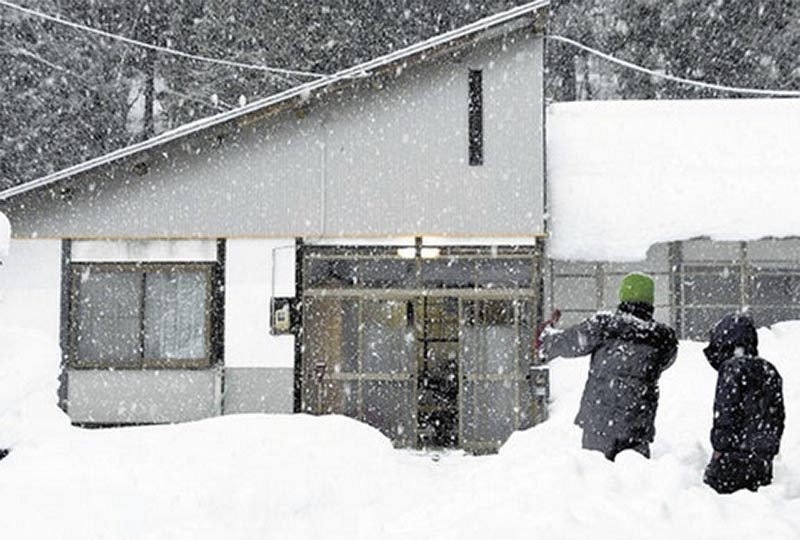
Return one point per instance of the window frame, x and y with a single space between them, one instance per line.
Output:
475 104
208 268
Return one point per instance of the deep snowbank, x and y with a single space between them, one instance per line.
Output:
623 175
258 476
29 368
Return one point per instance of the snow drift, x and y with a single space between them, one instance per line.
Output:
295 476
29 369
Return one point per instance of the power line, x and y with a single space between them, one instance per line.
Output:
667 76
167 50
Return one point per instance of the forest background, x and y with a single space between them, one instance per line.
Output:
67 96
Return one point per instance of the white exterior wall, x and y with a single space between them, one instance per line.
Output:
30 286
143 396
255 271
143 250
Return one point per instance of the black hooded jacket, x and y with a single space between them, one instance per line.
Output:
748 404
629 351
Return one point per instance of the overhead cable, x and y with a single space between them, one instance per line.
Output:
150 46
673 78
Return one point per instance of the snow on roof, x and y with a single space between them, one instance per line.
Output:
623 175
5 237
302 91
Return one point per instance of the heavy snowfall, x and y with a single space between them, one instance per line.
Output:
298 476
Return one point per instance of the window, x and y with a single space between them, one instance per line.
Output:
475 117
141 315
446 271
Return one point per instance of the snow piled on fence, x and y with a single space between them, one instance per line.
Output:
302 477
623 175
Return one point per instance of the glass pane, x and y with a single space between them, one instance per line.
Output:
332 333
379 272
330 273
347 322
505 273
440 316
774 289
388 336
387 406
489 411
176 315
339 397
715 286
108 316
439 377
386 273
448 272
489 337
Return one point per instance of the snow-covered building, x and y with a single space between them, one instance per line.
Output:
382 242
368 244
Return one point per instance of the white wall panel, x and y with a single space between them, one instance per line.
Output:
143 250
258 390
142 396
254 270
30 286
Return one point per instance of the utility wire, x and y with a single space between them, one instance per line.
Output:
240 65
174 52
667 76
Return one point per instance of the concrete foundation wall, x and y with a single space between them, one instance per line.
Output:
143 396
258 390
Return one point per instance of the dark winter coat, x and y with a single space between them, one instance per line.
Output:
748 408
629 351
748 404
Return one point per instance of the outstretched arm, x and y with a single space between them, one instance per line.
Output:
578 340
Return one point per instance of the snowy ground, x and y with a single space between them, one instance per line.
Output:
296 477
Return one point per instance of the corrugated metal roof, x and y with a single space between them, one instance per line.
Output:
307 89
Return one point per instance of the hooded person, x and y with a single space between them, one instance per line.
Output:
748 408
629 351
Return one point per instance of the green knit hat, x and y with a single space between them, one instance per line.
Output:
637 287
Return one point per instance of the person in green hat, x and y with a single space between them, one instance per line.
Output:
629 351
